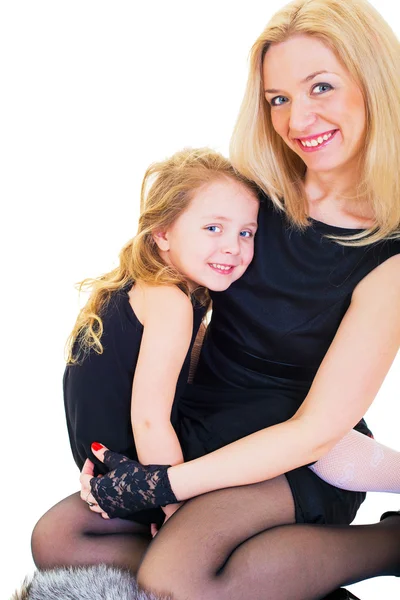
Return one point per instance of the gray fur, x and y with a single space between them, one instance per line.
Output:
83 583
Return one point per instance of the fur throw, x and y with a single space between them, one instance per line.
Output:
83 583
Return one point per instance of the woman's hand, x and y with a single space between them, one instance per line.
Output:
128 487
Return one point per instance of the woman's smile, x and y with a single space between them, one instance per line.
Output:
313 143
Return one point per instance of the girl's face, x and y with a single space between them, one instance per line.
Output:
316 107
212 241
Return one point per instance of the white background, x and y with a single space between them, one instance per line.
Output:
91 93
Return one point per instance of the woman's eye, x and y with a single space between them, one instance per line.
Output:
246 234
320 88
213 228
278 101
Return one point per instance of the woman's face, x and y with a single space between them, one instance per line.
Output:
316 107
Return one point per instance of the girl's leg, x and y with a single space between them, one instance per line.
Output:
69 534
361 464
241 543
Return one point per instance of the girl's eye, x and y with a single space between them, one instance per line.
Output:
213 228
278 101
246 234
322 87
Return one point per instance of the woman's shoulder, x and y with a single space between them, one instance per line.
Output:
384 279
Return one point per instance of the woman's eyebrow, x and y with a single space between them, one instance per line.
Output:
305 80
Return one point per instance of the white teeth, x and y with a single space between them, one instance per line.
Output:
221 267
316 141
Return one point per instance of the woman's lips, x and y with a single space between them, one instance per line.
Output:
319 146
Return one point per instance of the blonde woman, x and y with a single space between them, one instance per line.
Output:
301 344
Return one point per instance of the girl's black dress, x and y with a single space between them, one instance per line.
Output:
268 335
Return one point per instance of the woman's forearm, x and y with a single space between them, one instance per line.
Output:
257 457
157 443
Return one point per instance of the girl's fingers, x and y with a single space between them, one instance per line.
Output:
88 468
85 480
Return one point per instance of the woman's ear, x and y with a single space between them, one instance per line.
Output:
161 239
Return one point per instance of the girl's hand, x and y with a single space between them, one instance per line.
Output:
129 486
87 474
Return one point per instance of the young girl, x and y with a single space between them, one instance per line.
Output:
196 231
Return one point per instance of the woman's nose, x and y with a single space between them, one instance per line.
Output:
301 117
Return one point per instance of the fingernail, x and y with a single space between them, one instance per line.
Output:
97 446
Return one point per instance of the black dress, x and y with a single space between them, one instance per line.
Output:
97 392
268 335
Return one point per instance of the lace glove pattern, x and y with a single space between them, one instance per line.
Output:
130 486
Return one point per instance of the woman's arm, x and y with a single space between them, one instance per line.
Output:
167 331
347 381
346 384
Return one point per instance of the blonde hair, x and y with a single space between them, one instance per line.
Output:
368 48
167 190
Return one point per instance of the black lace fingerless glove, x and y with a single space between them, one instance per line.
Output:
130 486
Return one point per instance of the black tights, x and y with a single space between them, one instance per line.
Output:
230 544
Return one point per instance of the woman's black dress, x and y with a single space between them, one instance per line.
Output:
268 335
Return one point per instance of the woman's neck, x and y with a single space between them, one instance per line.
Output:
332 199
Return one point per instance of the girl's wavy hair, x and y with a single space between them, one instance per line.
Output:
370 51
167 190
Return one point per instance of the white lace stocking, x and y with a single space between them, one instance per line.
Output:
359 463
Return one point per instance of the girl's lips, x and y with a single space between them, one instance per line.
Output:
222 271
315 148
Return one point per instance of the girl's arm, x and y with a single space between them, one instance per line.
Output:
347 382
167 330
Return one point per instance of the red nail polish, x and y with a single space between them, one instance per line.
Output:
97 446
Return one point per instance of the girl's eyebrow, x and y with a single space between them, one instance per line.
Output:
227 219
305 80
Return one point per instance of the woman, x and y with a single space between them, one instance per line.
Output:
288 309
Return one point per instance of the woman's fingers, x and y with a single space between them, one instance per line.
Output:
108 457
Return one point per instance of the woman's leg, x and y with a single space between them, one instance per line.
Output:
361 464
241 543
69 534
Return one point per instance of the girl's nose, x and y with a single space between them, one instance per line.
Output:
231 247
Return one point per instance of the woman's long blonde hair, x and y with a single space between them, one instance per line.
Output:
167 189
368 48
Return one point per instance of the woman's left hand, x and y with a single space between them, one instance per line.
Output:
128 487
87 474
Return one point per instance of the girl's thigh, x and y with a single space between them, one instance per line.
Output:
70 534
195 543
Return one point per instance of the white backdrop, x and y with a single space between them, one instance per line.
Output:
91 93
